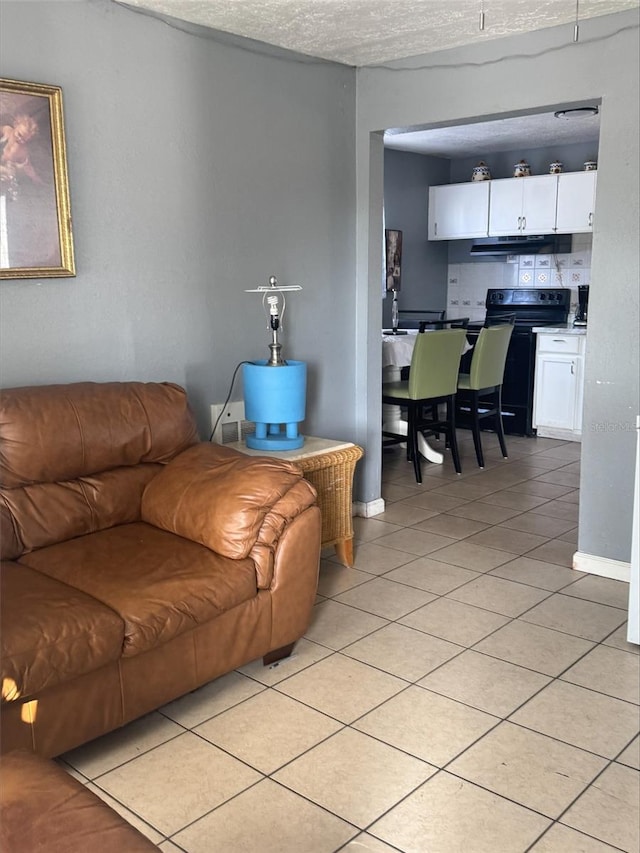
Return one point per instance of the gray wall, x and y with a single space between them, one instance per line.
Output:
506 77
197 169
424 263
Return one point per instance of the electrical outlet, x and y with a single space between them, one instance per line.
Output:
228 423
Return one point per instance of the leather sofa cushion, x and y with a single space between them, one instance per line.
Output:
54 433
75 458
217 496
43 514
50 632
46 809
161 585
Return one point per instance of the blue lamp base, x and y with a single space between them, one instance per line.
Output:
274 399
275 441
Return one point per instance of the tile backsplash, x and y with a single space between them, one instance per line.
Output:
468 283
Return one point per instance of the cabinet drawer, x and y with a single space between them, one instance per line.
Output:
570 344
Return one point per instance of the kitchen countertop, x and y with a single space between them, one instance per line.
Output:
568 329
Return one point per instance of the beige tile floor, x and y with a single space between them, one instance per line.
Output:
459 689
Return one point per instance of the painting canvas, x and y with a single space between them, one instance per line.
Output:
393 241
35 217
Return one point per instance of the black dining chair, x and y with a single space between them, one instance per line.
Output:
457 323
435 313
500 320
421 320
479 393
433 379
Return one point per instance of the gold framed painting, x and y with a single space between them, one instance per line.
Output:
36 238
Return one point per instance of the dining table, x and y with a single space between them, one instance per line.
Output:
396 353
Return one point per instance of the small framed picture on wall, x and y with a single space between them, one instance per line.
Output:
35 215
393 241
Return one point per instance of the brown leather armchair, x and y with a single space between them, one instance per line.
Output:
137 562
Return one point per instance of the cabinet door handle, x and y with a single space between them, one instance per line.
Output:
591 220
572 366
524 223
559 341
435 229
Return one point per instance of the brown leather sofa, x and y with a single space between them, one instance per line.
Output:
43 809
137 562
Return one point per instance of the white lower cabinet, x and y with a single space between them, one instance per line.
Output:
559 385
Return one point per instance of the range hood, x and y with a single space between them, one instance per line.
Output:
551 244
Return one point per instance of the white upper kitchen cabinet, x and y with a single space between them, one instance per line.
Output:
459 211
576 202
523 206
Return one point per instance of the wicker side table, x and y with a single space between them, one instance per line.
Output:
329 466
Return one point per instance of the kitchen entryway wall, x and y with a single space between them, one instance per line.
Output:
468 282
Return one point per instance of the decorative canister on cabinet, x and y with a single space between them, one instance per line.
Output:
590 166
521 169
556 167
481 172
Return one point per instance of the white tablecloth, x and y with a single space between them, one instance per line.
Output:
397 349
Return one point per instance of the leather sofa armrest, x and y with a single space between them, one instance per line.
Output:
301 496
221 498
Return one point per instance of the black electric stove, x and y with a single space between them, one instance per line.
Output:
531 307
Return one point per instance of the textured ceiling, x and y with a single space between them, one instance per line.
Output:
366 32
532 131
369 32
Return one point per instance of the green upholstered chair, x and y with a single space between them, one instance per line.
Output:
479 394
458 323
433 379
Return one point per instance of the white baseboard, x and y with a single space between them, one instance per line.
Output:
617 570
368 509
559 432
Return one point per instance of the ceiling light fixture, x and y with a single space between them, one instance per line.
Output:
577 112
